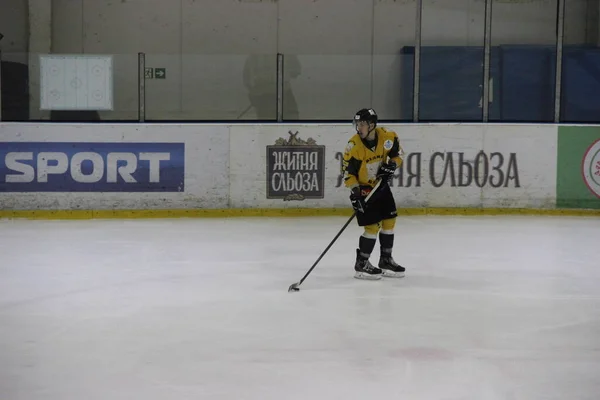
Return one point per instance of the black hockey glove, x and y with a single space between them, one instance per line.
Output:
358 202
386 171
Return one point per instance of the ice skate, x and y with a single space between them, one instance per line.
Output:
389 267
364 269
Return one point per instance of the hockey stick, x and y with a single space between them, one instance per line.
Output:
294 287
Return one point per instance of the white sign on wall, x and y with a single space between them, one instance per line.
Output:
76 82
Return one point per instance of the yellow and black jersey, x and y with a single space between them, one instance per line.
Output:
362 159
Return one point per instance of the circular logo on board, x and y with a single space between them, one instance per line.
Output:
590 168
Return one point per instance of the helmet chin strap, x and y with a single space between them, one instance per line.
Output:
368 133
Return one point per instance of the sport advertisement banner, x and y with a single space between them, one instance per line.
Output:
113 166
92 167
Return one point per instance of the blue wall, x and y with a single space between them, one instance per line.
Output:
523 83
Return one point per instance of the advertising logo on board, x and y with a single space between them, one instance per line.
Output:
92 167
295 169
578 167
590 168
455 169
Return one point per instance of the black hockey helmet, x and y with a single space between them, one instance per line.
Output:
367 115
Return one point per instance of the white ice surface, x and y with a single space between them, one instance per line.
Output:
491 308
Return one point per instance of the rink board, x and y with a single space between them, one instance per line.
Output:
205 184
446 165
215 170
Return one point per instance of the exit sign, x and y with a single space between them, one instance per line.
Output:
160 73
155 73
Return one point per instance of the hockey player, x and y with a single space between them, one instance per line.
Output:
373 153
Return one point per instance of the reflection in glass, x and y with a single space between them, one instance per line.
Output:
580 81
452 53
523 61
